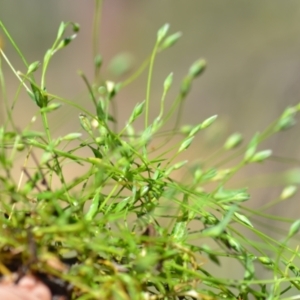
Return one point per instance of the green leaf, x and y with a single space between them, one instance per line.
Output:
144 190
162 32
122 204
243 219
186 129
100 112
185 85
239 195
209 219
32 134
233 243
8 135
216 231
287 119
249 267
168 82
260 156
61 30
66 41
195 130
208 122
72 136
233 141
175 167
179 164
94 207
33 67
47 56
288 192
96 152
85 123
179 231
76 27
98 61
197 68
170 40
214 258
266 260
51 107
40 99
208 175
251 148
186 143
146 135
46 157
198 174
221 174
294 228
137 111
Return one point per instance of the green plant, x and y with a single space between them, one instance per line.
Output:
125 220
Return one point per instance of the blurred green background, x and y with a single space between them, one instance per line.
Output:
252 49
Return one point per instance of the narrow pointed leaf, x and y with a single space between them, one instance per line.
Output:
251 148
288 192
162 32
261 156
72 136
33 67
186 143
243 219
197 68
170 40
61 30
168 82
137 111
233 141
295 227
208 122
217 230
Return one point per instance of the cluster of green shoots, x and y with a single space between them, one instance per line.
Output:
134 231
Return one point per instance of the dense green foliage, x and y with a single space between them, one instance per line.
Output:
124 219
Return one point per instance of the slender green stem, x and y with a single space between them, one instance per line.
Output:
14 44
148 89
136 74
179 114
252 212
96 33
5 101
46 126
90 89
96 26
14 71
